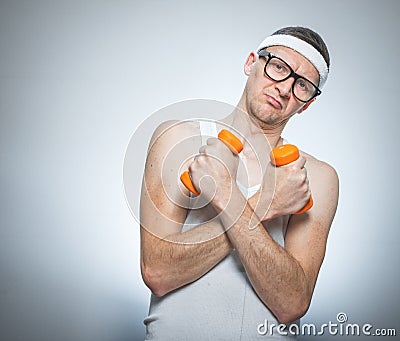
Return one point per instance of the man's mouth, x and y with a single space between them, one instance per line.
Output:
274 102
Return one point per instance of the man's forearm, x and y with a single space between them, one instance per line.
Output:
275 275
182 258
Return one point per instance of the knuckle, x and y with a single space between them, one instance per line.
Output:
304 189
199 159
291 169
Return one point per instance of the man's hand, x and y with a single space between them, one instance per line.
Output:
214 171
284 190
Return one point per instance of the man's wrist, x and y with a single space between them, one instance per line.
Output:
234 208
225 201
261 204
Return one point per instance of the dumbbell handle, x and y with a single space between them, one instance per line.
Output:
283 155
231 141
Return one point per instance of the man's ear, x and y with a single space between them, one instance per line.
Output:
251 59
305 106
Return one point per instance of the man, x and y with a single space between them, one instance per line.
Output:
249 260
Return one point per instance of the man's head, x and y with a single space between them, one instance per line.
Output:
285 74
305 41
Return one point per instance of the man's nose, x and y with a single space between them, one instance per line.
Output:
285 87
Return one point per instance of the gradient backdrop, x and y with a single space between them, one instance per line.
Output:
76 80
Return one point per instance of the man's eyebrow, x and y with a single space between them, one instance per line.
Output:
284 59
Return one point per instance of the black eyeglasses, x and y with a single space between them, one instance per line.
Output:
278 70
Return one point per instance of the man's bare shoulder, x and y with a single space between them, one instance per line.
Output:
172 132
324 185
172 148
319 169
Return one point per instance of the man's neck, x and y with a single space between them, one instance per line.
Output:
254 132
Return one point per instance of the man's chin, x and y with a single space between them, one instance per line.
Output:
267 116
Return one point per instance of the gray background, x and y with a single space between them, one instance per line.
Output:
77 79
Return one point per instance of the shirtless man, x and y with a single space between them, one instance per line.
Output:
254 260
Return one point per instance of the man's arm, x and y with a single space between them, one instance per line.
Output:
284 279
170 258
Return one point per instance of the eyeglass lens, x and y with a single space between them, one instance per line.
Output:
278 70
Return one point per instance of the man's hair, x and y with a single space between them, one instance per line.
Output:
308 36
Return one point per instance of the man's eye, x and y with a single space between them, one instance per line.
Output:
279 67
303 85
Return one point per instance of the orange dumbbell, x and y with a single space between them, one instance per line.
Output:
283 155
231 141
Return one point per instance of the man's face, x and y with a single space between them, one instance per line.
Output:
272 103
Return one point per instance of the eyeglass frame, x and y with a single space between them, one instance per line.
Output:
268 56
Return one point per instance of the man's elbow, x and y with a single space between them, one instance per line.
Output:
294 312
154 280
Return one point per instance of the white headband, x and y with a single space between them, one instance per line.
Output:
305 49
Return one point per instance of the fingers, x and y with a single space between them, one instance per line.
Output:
212 141
206 150
304 172
213 144
299 171
307 181
306 185
301 161
203 150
